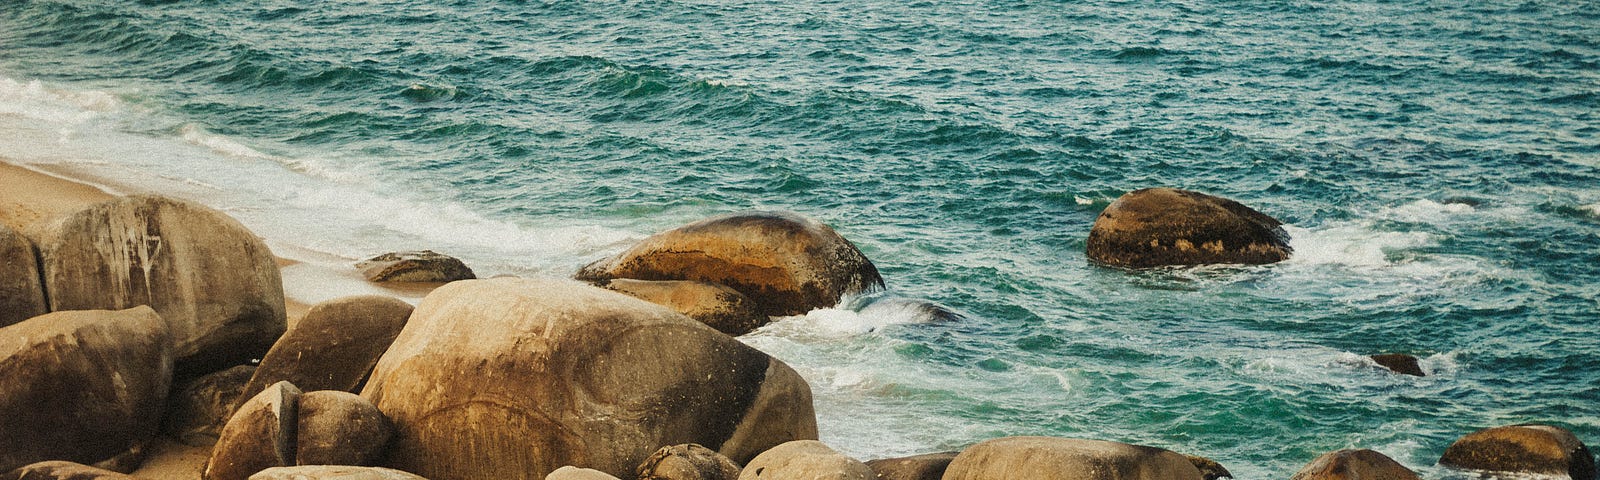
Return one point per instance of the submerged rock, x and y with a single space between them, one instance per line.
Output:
784 262
1353 464
21 293
1067 458
1532 449
1399 363
1163 226
420 266
537 374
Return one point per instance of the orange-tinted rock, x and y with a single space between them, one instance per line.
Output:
1353 464
804 459
1535 449
720 307
1046 458
1163 226
198 410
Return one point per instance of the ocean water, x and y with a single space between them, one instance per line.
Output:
1437 163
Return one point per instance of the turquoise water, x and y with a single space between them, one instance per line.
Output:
1437 162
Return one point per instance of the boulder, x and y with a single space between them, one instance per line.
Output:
1531 449
335 345
1163 226
1209 469
510 378
332 472
786 263
61 470
574 473
1399 363
1353 464
723 308
197 412
340 428
918 467
687 462
21 294
213 281
259 436
804 460
423 266
1065 458
82 386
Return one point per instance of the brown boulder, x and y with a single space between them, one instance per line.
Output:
332 472
511 378
1209 469
214 282
804 460
1535 449
259 436
423 266
82 386
1163 226
1399 363
61 470
1045 458
784 262
21 294
335 345
197 412
687 462
723 308
1353 464
917 467
340 428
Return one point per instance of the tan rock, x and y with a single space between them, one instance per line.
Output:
21 294
723 308
574 473
786 263
687 462
340 428
333 472
511 378
82 386
805 460
421 266
1046 458
1534 449
213 281
335 345
62 470
197 412
1163 226
1354 464
259 436
917 467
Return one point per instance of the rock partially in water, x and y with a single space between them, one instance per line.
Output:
718 306
1400 363
1209 469
1157 227
1354 464
1528 449
418 266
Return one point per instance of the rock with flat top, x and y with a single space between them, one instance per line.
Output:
1157 227
21 293
1067 458
1525 449
420 266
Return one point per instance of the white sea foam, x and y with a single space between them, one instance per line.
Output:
35 100
1592 209
1356 244
1426 211
198 136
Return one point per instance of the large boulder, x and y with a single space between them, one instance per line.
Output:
929 466
1045 458
786 263
687 462
805 460
511 378
214 282
723 308
198 410
333 472
259 436
21 294
1354 464
1163 226
335 345
82 386
425 266
62 470
1529 449
339 428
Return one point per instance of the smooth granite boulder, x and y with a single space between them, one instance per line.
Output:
723 308
785 263
21 293
929 466
687 462
197 411
1163 226
62 470
333 472
1045 458
1353 464
335 345
259 436
421 266
805 460
340 428
82 386
1399 363
574 473
214 282
511 378
1526 449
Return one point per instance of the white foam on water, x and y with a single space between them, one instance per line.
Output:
1592 209
35 100
1426 211
1356 244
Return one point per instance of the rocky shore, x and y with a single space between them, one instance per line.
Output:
149 337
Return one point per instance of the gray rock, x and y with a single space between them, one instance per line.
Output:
718 306
1532 449
1046 458
422 266
197 412
1163 226
335 345
259 436
332 472
805 460
82 386
214 282
21 293
687 462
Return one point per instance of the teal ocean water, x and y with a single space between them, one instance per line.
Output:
1437 163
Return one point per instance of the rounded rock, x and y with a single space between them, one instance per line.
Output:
687 462
421 266
929 466
1399 363
718 306
335 345
1534 449
1047 458
21 293
333 472
1157 227
259 436
340 428
805 460
62 470
1354 464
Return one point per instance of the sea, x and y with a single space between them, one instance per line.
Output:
1436 163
